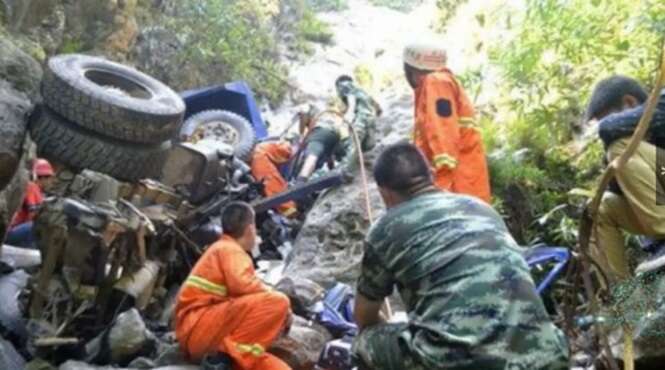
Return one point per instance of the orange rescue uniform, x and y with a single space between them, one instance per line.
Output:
446 132
266 158
224 307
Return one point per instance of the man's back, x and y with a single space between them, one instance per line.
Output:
468 291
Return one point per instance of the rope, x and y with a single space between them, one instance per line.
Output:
363 175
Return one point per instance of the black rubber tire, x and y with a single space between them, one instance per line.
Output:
83 88
63 142
246 136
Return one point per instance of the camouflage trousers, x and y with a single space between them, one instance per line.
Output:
382 347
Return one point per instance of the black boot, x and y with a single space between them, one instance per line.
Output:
217 361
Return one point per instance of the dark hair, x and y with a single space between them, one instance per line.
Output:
236 216
343 78
402 168
608 94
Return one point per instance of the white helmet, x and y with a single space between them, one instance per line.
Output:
425 55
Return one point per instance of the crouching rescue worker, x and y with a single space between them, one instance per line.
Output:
265 161
322 132
21 230
445 128
470 299
224 312
635 202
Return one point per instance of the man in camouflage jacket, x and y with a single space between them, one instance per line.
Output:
471 301
362 111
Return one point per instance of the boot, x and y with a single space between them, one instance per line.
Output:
217 361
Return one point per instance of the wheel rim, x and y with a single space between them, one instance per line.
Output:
219 131
118 84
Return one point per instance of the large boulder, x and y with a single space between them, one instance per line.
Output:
157 49
14 108
22 73
302 347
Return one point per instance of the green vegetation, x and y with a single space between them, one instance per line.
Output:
312 29
236 39
400 5
70 46
327 5
555 53
447 10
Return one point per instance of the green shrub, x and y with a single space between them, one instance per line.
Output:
327 5
399 5
222 35
313 29
71 46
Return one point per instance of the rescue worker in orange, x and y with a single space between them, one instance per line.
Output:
224 313
20 232
445 129
265 161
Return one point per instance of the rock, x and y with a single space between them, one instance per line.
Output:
39 364
9 357
156 50
330 245
78 365
302 293
128 336
302 347
644 306
12 322
19 69
14 106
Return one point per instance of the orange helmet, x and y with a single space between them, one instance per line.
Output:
42 168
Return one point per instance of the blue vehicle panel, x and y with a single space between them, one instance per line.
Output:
236 97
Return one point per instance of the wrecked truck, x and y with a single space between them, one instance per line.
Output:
142 175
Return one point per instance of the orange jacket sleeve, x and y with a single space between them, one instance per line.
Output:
239 274
437 122
466 112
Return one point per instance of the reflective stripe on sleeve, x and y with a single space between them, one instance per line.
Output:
468 122
253 349
444 160
205 285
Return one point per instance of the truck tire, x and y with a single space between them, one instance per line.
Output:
63 142
111 99
224 126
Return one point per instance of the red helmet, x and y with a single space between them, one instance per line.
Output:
42 168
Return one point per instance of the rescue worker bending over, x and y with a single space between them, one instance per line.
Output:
635 202
224 308
468 292
445 129
322 132
327 134
265 161
361 110
21 229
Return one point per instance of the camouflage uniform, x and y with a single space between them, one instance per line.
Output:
470 298
364 123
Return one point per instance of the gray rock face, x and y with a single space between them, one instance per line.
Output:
302 347
19 69
128 337
9 357
157 50
14 108
330 245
